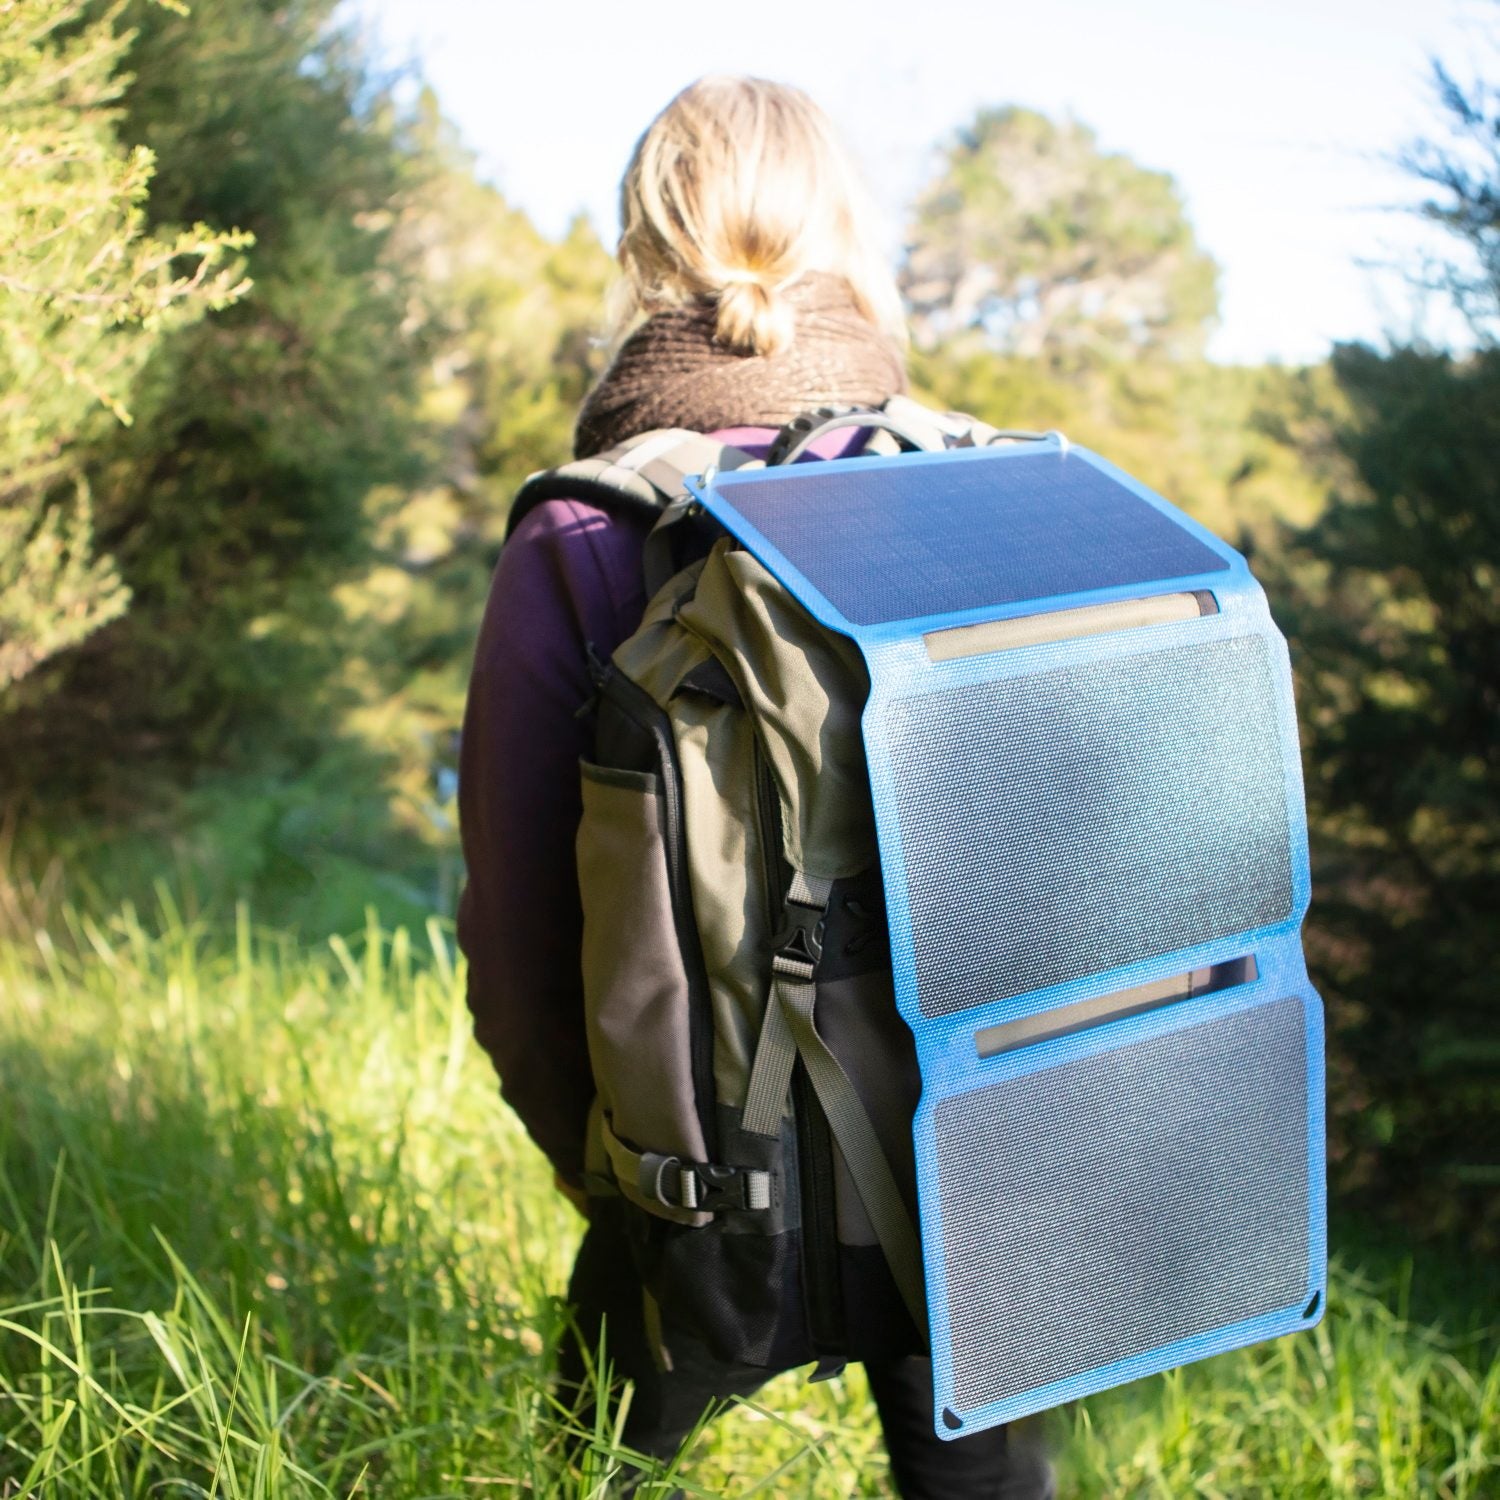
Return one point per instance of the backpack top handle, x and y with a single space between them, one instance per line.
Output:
914 428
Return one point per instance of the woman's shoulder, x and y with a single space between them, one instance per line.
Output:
577 539
568 524
570 560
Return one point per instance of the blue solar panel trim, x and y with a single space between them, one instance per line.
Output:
1057 823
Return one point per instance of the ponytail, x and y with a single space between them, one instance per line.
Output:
753 318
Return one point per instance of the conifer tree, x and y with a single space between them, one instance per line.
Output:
87 291
241 495
1395 626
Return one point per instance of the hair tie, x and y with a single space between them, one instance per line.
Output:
739 276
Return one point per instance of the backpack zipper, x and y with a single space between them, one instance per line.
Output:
768 815
820 1265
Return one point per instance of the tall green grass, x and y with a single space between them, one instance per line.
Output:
266 1231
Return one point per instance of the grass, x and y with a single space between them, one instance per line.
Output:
266 1231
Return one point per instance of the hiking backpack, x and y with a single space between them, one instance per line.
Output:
858 720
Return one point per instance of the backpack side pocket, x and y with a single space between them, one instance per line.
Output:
637 993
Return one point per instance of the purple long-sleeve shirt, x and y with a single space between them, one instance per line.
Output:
569 578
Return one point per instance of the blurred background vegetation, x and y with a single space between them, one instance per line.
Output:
273 357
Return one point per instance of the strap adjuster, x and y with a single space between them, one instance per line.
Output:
702 1187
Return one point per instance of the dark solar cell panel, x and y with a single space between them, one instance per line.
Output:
903 541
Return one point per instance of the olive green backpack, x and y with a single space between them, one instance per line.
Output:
756 1086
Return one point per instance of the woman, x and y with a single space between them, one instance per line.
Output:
747 260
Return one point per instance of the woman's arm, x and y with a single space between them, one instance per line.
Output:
568 579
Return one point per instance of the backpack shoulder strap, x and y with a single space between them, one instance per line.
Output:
954 429
640 477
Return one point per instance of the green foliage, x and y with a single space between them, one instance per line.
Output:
508 315
237 499
512 313
87 292
313 851
1362 1405
1394 615
1036 239
309 504
266 1231
1394 598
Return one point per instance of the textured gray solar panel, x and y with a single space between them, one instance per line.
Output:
1154 774
1124 1200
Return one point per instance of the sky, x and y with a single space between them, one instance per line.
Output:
1276 118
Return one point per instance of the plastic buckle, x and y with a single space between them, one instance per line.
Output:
698 1187
800 938
712 1189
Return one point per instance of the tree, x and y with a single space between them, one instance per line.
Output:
1394 615
1044 244
1461 172
1395 626
511 316
308 503
509 319
87 292
239 498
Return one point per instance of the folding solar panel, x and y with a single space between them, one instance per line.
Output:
1083 753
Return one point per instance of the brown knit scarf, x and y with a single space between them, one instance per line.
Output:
671 373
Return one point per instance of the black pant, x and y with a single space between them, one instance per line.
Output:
667 1404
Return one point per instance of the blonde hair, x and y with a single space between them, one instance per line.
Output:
738 189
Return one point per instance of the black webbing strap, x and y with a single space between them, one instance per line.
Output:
567 484
641 477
